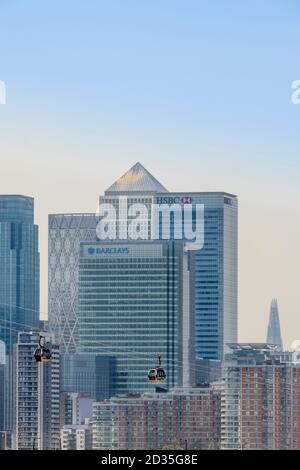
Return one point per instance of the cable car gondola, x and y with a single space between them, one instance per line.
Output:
157 374
42 353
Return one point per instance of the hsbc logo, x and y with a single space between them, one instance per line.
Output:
170 218
186 200
174 200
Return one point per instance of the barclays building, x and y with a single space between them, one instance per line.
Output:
132 305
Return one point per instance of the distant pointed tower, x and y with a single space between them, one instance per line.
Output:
274 333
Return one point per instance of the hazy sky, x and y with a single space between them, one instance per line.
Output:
199 92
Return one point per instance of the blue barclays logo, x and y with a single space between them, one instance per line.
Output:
108 251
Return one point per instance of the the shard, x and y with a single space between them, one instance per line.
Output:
274 333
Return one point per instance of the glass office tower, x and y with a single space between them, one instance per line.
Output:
215 268
274 331
131 307
19 268
213 293
90 374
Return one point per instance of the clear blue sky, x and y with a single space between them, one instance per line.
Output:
198 91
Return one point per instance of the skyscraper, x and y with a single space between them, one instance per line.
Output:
19 268
131 305
2 385
274 332
214 277
2 396
137 185
35 396
66 231
213 268
90 374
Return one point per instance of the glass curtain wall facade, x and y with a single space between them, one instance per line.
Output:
274 331
19 268
130 306
88 373
214 274
214 280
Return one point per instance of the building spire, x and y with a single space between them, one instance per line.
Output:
274 333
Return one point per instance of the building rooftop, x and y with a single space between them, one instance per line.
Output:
251 346
137 180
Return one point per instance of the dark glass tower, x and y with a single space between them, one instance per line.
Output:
131 306
19 268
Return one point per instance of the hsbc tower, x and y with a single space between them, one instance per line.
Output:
213 293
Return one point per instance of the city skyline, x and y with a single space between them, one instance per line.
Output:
242 335
149 228
153 84
169 293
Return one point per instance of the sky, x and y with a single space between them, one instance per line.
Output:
199 92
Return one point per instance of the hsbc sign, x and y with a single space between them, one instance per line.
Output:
174 200
170 218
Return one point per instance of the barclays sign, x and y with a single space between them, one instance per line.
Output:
107 250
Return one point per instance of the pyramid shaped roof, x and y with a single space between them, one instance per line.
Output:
137 180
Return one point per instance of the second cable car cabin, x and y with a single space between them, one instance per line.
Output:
157 374
42 353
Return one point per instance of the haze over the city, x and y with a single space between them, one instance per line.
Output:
201 97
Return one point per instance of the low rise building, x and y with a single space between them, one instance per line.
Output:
152 421
261 398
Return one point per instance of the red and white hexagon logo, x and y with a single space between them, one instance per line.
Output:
186 200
